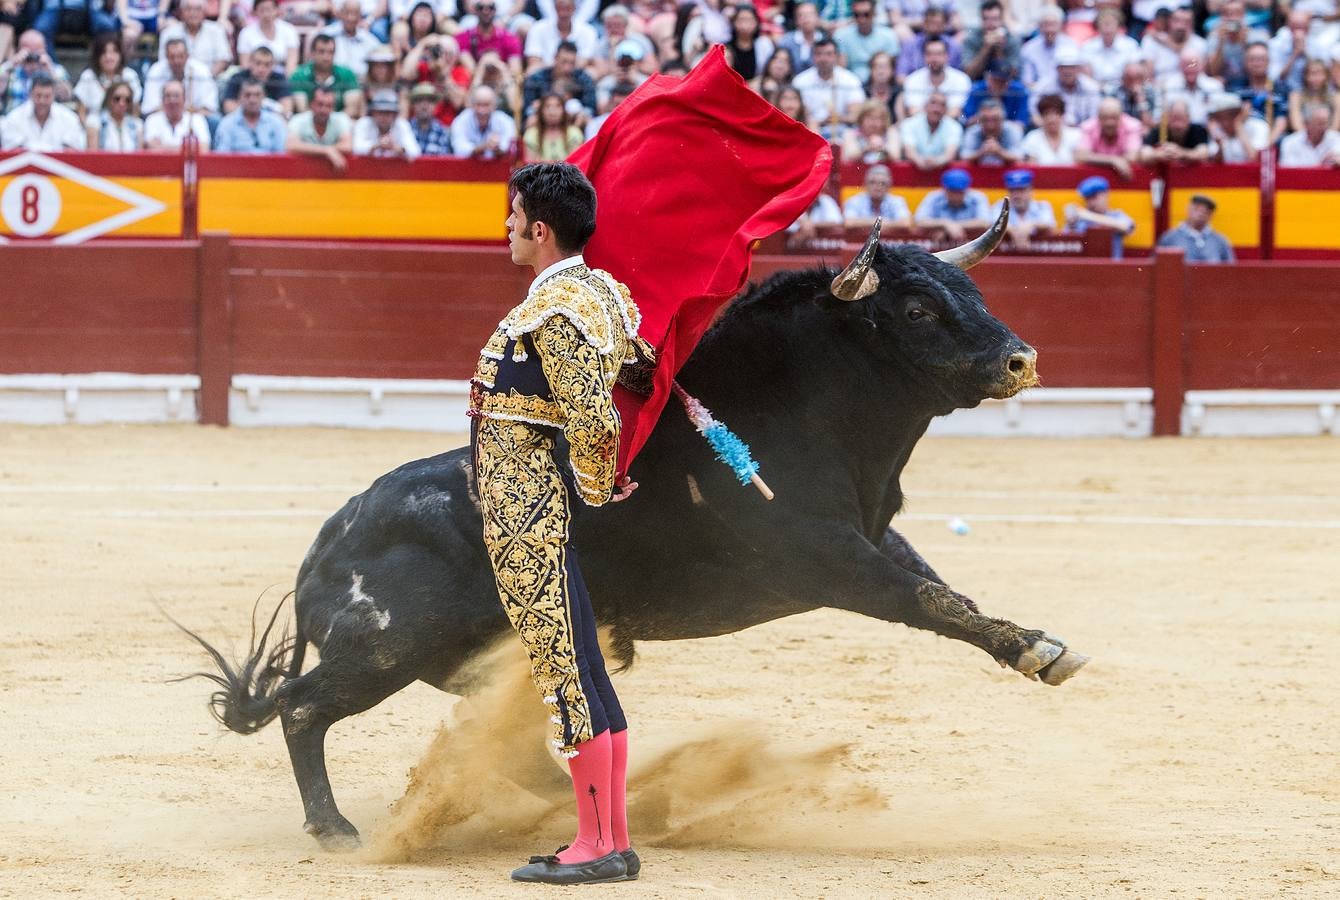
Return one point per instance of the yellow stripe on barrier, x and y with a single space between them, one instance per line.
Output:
1307 220
1135 203
44 205
398 210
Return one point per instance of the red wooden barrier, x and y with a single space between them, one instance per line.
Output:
219 307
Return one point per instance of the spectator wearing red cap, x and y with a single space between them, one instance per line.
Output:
955 210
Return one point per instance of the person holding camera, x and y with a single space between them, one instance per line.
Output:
1227 45
29 61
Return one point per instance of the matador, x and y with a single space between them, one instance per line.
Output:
548 373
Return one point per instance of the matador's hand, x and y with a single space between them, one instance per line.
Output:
623 489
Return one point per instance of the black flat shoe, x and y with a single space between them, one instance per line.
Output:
548 870
633 864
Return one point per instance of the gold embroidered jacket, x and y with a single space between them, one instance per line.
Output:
553 361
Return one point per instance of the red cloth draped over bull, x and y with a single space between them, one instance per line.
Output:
688 174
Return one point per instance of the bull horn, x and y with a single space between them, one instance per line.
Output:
859 279
973 252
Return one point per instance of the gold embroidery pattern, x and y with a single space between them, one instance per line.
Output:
517 407
526 519
582 383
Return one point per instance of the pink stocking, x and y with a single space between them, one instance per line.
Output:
619 790
590 770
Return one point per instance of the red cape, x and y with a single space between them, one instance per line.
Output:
689 173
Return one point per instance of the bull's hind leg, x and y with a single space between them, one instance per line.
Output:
339 687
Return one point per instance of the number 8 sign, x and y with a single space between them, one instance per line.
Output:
30 205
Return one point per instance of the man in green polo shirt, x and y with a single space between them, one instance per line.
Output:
321 71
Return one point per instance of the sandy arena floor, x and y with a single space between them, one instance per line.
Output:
1196 756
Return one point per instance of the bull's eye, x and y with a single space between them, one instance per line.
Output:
916 313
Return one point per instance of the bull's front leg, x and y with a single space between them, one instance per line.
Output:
893 583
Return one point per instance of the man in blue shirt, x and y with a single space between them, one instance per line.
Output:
1201 242
249 128
863 38
1095 213
1000 85
861 209
953 211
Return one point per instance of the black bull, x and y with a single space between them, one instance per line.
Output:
833 382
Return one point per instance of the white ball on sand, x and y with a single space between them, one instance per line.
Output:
958 526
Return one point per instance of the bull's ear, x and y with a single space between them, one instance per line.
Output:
859 279
973 252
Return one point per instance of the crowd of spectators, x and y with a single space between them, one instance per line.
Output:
1019 84
1112 83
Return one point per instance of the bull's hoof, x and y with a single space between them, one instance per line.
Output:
1064 666
334 837
1039 655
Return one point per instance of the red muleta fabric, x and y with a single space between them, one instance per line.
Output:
689 173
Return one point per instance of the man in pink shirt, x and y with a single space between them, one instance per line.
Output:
1111 138
490 35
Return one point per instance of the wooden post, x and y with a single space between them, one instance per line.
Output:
1267 238
215 328
1169 340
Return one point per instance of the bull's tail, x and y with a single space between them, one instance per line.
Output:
245 700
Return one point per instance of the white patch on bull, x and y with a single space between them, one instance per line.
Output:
379 618
298 719
430 501
349 522
694 494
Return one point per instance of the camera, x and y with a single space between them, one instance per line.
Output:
33 58
435 52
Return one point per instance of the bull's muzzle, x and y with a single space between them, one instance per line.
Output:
1019 371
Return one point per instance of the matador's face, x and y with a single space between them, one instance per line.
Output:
521 235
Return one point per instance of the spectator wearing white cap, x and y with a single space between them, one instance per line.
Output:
1192 86
937 77
627 56
482 131
1236 136
1077 91
382 132
1038 54
1316 145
